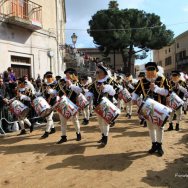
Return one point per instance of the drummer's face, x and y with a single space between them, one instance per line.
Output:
100 74
151 72
175 78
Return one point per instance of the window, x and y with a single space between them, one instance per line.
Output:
160 63
169 49
19 59
168 61
165 51
177 45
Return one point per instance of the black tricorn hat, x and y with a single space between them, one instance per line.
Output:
84 77
151 64
103 68
70 71
176 72
141 74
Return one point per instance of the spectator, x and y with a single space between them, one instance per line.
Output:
11 74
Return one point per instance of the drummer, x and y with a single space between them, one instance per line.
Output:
69 87
84 81
50 96
155 87
175 84
24 94
100 88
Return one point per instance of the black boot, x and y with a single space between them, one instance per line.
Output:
126 115
129 116
104 141
100 141
22 132
170 128
141 121
153 148
145 124
31 128
159 149
52 131
85 121
78 137
177 127
63 139
45 135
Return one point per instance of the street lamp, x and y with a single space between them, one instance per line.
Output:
74 39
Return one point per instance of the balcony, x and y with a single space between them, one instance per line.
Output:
24 13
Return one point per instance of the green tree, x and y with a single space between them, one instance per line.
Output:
123 30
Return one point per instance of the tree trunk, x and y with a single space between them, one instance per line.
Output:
130 54
125 58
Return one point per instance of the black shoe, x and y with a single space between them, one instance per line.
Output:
78 137
159 149
90 115
52 131
185 112
62 140
153 148
177 127
104 141
101 139
145 124
129 116
85 122
45 135
23 131
31 128
126 115
174 118
142 121
170 128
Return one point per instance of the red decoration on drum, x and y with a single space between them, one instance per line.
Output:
66 107
19 109
174 101
107 110
125 95
81 101
154 112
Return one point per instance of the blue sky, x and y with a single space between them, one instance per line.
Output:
173 13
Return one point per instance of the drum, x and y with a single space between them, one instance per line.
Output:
107 110
154 112
41 107
81 101
19 109
66 107
125 95
174 101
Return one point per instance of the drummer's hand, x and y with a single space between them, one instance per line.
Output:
68 83
152 86
101 87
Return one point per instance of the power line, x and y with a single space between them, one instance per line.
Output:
124 29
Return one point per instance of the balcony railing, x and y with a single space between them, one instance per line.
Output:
22 12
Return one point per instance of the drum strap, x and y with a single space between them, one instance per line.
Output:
161 85
143 90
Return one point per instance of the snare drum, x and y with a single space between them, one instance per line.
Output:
19 109
66 107
41 107
154 112
81 101
125 95
174 101
107 110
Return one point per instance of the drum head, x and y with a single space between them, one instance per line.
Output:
46 112
24 113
